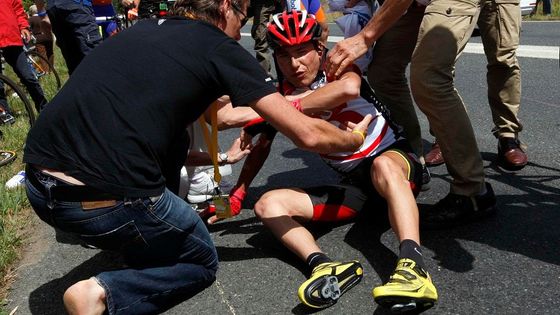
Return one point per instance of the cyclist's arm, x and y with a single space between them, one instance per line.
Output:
334 93
231 117
308 133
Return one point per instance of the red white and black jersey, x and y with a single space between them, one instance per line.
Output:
379 136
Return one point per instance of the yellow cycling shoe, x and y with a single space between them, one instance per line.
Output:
409 288
328 282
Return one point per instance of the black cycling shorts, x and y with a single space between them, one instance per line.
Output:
356 192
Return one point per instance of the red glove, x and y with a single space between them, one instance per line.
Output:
258 125
236 197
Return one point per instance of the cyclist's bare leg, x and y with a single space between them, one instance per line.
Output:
281 211
389 176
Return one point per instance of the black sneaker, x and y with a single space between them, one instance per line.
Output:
454 210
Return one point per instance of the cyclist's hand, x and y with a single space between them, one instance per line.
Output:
25 35
359 128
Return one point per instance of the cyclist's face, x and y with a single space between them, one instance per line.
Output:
299 64
236 17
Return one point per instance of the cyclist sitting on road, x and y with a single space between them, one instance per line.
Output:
13 28
383 170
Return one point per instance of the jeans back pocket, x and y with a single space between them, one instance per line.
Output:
124 238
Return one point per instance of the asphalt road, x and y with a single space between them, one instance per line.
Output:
508 264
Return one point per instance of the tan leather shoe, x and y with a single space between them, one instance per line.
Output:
510 154
434 157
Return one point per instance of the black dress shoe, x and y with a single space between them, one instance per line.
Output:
510 154
454 210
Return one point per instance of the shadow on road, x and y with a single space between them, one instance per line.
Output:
522 225
47 299
527 207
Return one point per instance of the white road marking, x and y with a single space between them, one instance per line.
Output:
530 51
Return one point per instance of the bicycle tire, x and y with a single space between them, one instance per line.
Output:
37 61
20 106
6 157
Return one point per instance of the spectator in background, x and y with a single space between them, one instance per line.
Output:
314 7
356 14
262 10
546 6
73 24
13 28
42 31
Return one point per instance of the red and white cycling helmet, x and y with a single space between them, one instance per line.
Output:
292 28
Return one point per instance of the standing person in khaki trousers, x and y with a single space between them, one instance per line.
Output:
445 29
262 10
499 24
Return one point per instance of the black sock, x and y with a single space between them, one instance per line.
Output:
315 259
411 250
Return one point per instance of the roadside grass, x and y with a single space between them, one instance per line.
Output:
538 15
14 207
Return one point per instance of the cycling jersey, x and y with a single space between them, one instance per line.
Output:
379 134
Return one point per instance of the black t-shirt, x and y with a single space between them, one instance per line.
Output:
119 122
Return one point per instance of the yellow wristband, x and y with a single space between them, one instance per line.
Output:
361 133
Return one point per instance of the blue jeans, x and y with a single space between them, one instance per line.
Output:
16 58
76 31
166 245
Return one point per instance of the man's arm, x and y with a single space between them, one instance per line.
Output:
340 91
309 133
347 51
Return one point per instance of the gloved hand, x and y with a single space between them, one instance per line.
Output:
236 197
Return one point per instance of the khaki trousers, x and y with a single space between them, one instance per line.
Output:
445 29
387 73
262 10
499 24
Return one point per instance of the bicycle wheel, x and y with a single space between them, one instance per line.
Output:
45 71
20 108
7 157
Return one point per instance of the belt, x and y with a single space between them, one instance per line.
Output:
61 191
